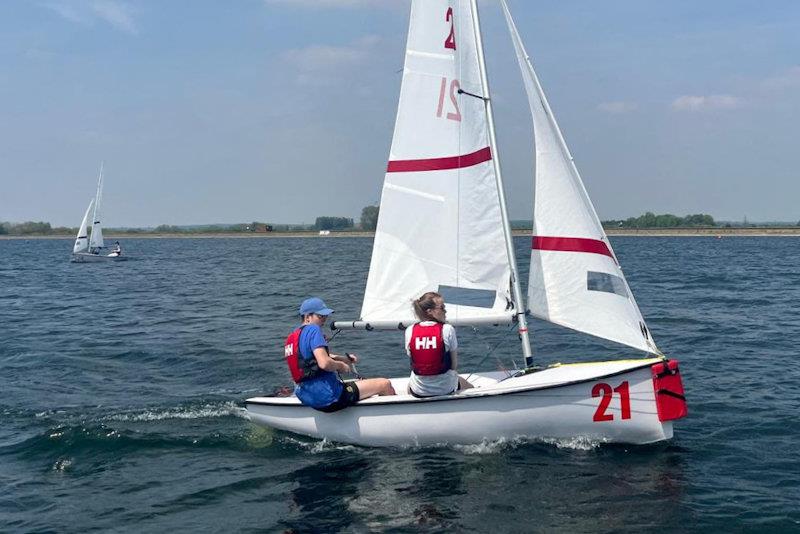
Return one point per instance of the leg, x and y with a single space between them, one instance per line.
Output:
374 386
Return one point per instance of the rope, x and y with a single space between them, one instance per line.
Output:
491 350
353 368
334 335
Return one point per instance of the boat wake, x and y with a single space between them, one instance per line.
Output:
202 411
319 447
67 440
578 443
486 447
69 437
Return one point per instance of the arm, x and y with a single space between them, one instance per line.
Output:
329 362
347 357
325 360
451 343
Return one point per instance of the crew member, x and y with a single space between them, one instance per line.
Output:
314 368
433 348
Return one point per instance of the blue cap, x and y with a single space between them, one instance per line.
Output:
314 305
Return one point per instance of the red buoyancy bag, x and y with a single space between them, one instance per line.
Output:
670 401
428 354
298 366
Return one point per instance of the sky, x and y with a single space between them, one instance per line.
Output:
283 110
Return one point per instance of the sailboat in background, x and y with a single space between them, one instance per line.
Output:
89 248
444 169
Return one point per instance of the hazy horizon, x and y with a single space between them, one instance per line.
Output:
283 110
514 222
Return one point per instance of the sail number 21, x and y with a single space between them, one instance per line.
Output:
605 393
450 42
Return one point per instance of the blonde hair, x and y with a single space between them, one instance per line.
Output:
424 304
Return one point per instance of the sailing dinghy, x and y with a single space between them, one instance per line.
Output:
88 248
444 169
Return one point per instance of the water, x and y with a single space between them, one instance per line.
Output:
121 386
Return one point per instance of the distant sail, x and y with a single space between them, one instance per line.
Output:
96 240
440 226
575 279
82 240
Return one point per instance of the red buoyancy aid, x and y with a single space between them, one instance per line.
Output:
301 368
670 400
428 353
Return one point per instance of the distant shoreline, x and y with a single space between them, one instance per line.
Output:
787 231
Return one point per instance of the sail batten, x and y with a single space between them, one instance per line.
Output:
575 279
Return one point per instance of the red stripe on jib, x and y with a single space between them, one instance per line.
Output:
572 244
440 164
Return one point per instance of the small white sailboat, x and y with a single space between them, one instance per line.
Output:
444 169
89 248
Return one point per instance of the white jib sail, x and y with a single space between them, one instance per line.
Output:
82 241
96 240
575 279
440 226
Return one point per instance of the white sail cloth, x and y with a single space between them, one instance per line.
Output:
96 239
82 240
575 279
440 226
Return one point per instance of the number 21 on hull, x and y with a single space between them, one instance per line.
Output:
605 392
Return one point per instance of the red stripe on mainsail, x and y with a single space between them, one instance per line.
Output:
440 164
571 244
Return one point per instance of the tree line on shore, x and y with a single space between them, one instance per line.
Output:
34 228
666 220
698 220
367 222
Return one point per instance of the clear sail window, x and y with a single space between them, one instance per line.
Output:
608 283
462 296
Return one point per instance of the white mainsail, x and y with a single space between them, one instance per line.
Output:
82 240
96 240
440 226
575 279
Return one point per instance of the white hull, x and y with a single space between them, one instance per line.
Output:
85 257
554 403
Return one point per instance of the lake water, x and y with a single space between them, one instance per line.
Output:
121 388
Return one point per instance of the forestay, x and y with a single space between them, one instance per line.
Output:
96 240
82 240
575 279
440 226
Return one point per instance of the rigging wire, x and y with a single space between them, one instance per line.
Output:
491 350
